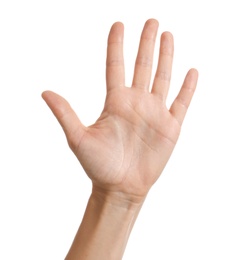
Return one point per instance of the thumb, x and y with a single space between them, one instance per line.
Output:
73 128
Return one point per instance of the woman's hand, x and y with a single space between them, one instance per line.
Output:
127 148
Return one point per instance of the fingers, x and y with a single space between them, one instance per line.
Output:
163 74
66 116
115 74
181 103
143 65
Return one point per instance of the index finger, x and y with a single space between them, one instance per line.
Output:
115 73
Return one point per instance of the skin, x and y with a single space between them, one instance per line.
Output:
126 149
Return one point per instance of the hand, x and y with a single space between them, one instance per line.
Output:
127 148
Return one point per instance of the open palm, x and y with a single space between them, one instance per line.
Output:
129 145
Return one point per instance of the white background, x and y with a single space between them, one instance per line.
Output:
193 211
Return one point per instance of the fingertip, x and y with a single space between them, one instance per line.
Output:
117 26
194 71
151 24
152 21
192 75
48 94
44 93
57 103
167 36
116 33
118 23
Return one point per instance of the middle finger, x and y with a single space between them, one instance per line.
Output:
144 59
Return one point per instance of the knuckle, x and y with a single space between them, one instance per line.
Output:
183 101
166 50
114 62
163 76
144 61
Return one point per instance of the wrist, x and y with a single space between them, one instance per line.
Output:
106 225
117 199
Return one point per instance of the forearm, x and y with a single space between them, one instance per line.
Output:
105 228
